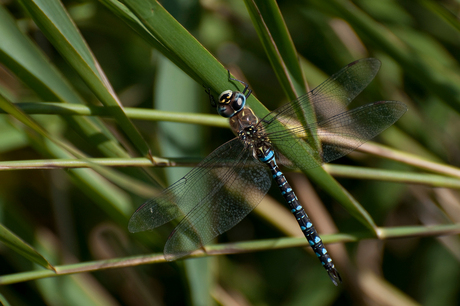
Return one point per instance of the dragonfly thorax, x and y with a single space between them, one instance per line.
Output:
256 140
230 103
244 119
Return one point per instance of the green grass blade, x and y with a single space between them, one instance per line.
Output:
25 60
56 24
278 45
22 248
410 159
51 108
393 176
280 50
130 19
195 60
4 301
62 147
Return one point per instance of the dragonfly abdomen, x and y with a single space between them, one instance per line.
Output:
301 216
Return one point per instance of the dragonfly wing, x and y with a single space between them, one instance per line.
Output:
345 132
340 134
245 186
328 99
181 197
296 145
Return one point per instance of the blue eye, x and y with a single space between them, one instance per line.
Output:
238 101
230 103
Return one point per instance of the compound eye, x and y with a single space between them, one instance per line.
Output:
238 101
230 103
225 110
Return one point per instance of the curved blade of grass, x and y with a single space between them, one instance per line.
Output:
27 62
280 49
57 26
131 20
34 67
23 248
210 73
22 57
184 50
4 301
278 45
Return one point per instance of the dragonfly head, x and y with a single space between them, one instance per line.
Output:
230 103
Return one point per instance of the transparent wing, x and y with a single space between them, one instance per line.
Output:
214 196
345 132
245 186
330 98
341 133
180 198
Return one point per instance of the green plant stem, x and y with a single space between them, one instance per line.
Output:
409 159
232 248
54 108
392 176
335 170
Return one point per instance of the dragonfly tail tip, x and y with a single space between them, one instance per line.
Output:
335 276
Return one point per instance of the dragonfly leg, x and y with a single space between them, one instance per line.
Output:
246 86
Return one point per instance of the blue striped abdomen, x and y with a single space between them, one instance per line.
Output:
301 216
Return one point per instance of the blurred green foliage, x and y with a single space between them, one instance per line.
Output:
63 216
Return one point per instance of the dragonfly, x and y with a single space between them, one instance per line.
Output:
231 181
